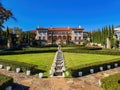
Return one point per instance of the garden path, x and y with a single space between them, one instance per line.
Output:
89 82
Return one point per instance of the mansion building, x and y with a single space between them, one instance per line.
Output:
117 33
60 35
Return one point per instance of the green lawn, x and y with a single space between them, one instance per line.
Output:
76 59
43 60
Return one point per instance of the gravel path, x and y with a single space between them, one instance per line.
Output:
89 82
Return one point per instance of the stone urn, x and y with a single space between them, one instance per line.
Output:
8 68
108 66
40 75
17 70
80 74
28 72
9 88
101 68
91 71
1 66
116 65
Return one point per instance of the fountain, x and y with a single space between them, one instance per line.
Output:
58 66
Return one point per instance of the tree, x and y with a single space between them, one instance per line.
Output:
5 14
99 36
52 38
9 38
67 41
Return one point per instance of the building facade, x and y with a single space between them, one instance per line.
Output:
60 35
117 33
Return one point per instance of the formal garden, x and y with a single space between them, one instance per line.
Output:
20 53
77 58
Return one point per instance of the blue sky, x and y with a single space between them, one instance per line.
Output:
90 14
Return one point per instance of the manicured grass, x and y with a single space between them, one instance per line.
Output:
43 60
39 48
76 59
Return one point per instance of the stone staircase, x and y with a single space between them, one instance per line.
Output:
58 66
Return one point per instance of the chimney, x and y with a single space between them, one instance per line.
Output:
38 27
79 26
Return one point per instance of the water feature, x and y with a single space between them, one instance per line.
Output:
58 66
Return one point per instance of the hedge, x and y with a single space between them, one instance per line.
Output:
85 69
26 52
93 51
5 81
111 82
15 64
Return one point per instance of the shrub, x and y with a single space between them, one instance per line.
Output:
26 52
23 66
93 51
111 82
86 68
5 81
44 46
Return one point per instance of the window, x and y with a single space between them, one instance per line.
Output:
43 38
79 38
75 38
44 33
39 38
80 32
64 37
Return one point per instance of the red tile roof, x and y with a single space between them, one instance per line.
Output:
34 31
60 29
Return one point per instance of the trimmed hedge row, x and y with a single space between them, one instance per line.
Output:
14 64
106 52
25 52
5 81
89 48
85 69
111 82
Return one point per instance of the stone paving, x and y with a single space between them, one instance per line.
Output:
89 82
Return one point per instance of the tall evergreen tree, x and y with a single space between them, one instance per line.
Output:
99 36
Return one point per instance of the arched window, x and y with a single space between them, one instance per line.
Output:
43 38
59 37
49 37
39 38
69 37
64 37
75 38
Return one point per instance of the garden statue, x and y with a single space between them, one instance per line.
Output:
59 47
108 43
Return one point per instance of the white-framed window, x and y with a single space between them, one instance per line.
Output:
44 33
43 38
75 38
